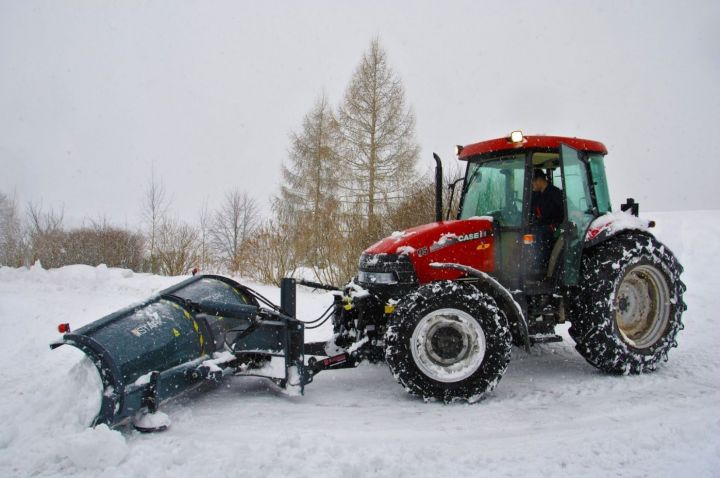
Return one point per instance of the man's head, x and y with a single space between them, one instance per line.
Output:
539 181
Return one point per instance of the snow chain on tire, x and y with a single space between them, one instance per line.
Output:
421 369
627 311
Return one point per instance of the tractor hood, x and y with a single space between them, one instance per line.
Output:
468 242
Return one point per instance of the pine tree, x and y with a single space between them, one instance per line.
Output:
308 198
378 133
310 179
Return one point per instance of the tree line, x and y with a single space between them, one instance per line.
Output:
350 178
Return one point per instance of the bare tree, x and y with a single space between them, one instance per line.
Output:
272 254
233 225
42 221
101 243
378 132
45 235
204 225
176 248
418 207
154 210
12 244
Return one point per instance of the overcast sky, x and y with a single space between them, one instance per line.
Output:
94 94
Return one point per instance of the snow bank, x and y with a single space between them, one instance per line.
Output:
96 448
82 392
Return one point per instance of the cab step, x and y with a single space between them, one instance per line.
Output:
545 338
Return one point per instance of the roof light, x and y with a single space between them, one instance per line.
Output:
516 137
458 150
64 328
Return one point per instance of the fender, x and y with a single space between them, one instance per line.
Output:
610 224
503 296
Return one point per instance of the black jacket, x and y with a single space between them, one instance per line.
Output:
547 206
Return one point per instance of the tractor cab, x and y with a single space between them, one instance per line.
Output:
531 256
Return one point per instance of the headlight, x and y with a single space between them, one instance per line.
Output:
376 277
516 137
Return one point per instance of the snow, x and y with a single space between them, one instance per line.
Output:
448 236
275 367
144 379
398 236
218 359
356 291
551 415
96 448
407 250
615 222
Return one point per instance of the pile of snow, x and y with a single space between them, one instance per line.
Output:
552 414
96 448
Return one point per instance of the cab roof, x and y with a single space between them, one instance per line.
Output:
531 142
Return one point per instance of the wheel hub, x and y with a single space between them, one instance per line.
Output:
642 306
448 345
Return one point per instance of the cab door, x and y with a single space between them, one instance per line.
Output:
579 210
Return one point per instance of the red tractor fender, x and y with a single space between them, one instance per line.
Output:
610 224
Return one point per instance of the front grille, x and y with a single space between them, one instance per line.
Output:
399 264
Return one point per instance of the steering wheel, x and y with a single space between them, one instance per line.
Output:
513 209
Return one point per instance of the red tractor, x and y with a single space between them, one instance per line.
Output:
444 302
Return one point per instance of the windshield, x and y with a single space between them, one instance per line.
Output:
495 188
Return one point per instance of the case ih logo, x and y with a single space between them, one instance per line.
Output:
472 236
447 240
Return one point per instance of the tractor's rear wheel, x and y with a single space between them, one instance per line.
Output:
448 341
627 312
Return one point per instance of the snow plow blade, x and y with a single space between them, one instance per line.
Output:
197 330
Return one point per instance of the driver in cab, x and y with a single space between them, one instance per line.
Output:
547 201
547 214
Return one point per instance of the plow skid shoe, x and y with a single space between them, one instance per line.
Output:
185 335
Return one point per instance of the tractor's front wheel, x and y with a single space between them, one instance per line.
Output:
448 341
628 310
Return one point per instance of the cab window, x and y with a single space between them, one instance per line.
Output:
495 188
600 186
550 163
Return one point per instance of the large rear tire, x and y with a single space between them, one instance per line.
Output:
448 341
627 311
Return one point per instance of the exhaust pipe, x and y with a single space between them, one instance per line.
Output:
438 188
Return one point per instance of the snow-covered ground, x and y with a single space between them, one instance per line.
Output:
551 415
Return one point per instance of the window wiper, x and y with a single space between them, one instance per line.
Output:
470 179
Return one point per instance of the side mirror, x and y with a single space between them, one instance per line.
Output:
632 206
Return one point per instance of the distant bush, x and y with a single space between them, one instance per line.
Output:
102 244
93 245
